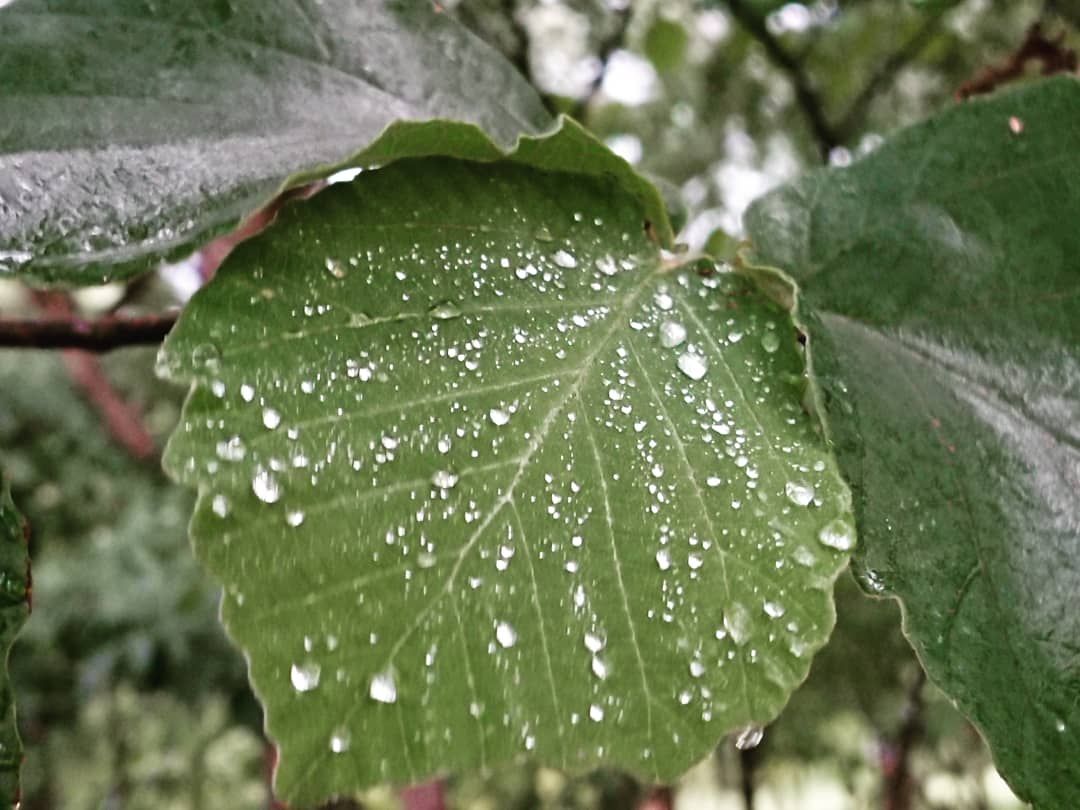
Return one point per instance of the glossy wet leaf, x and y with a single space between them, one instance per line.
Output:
134 130
483 477
14 609
944 272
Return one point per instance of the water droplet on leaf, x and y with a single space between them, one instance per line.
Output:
693 365
305 676
383 687
265 486
672 333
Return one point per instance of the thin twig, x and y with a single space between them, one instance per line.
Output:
886 74
896 758
1051 54
826 137
74 332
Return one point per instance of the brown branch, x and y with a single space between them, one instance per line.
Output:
73 332
896 756
1051 54
826 137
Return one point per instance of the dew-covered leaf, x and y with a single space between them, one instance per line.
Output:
484 477
14 608
945 273
135 130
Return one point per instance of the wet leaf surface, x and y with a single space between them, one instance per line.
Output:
138 132
484 476
944 273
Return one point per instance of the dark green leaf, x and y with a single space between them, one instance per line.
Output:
136 131
484 476
945 271
14 608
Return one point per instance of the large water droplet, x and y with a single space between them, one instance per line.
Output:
773 610
663 559
564 260
340 740
265 486
596 713
271 418
770 342
335 268
799 492
498 416
593 642
305 676
445 311
505 634
837 534
383 687
672 333
749 737
693 365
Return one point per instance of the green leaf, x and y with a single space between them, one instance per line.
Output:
14 609
944 271
665 44
135 132
473 496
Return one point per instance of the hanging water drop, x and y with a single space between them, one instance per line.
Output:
693 365
837 534
749 737
305 676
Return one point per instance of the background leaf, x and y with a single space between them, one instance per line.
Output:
484 477
944 271
133 132
14 608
